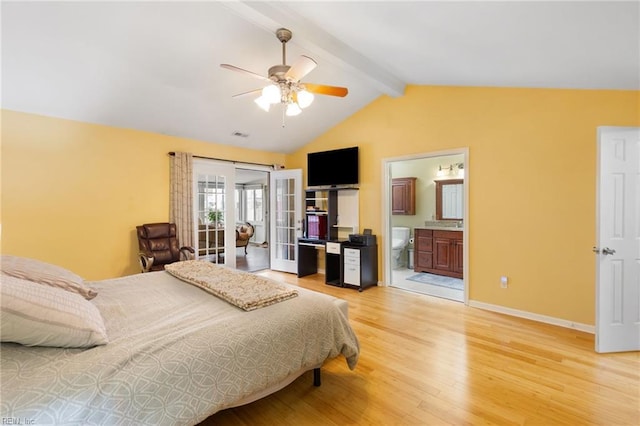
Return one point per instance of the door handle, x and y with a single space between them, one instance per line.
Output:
605 250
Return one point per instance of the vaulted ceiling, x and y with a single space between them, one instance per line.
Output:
155 66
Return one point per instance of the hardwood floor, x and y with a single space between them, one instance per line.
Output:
431 361
255 259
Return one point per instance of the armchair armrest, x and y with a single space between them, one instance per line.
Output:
187 253
146 261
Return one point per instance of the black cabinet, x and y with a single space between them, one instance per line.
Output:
320 226
359 265
333 263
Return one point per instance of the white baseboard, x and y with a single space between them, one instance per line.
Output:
534 317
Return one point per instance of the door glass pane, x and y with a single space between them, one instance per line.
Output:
211 217
285 219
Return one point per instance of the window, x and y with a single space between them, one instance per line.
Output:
253 204
238 193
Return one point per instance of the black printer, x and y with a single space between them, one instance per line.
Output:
362 239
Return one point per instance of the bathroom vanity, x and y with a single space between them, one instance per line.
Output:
439 250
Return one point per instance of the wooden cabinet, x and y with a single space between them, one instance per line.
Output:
403 196
457 250
423 250
439 252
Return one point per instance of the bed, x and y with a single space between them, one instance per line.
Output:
175 354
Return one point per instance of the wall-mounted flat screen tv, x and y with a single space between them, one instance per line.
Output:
338 167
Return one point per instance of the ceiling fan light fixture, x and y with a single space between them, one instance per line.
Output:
293 109
284 86
304 98
271 94
263 103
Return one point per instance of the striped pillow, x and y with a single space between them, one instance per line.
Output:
39 315
45 273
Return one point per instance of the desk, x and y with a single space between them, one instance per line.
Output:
346 264
307 256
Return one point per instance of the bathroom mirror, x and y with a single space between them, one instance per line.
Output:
449 199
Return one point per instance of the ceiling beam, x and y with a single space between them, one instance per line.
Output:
273 15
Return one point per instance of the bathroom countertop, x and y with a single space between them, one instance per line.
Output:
441 228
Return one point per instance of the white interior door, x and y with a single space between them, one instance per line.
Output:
285 188
618 245
214 211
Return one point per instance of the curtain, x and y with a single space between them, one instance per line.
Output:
181 196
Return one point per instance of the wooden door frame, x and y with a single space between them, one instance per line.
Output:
386 245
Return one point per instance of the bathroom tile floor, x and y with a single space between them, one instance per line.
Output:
399 280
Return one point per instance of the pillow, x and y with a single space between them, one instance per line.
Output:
39 315
45 273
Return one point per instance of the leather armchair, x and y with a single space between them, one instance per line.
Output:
159 246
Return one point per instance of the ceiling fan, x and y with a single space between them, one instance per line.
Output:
285 86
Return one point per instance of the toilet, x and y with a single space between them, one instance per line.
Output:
399 242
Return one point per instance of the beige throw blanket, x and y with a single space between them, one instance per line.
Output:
242 289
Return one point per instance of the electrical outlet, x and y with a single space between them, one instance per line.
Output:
504 282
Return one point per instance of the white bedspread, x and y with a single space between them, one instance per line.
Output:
176 355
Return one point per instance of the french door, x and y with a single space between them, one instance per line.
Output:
214 211
286 218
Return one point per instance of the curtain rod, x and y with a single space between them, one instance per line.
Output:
274 166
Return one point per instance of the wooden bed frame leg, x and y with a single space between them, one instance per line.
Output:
316 377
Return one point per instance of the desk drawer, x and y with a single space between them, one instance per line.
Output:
333 248
349 252
351 261
352 274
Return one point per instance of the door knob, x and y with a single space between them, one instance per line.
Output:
607 251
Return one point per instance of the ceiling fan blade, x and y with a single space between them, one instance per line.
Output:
303 66
243 71
247 93
321 89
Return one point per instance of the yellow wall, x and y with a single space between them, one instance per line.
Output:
72 193
532 164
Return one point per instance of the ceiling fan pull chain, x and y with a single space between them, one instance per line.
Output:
283 110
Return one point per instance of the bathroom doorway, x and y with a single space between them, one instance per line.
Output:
427 198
